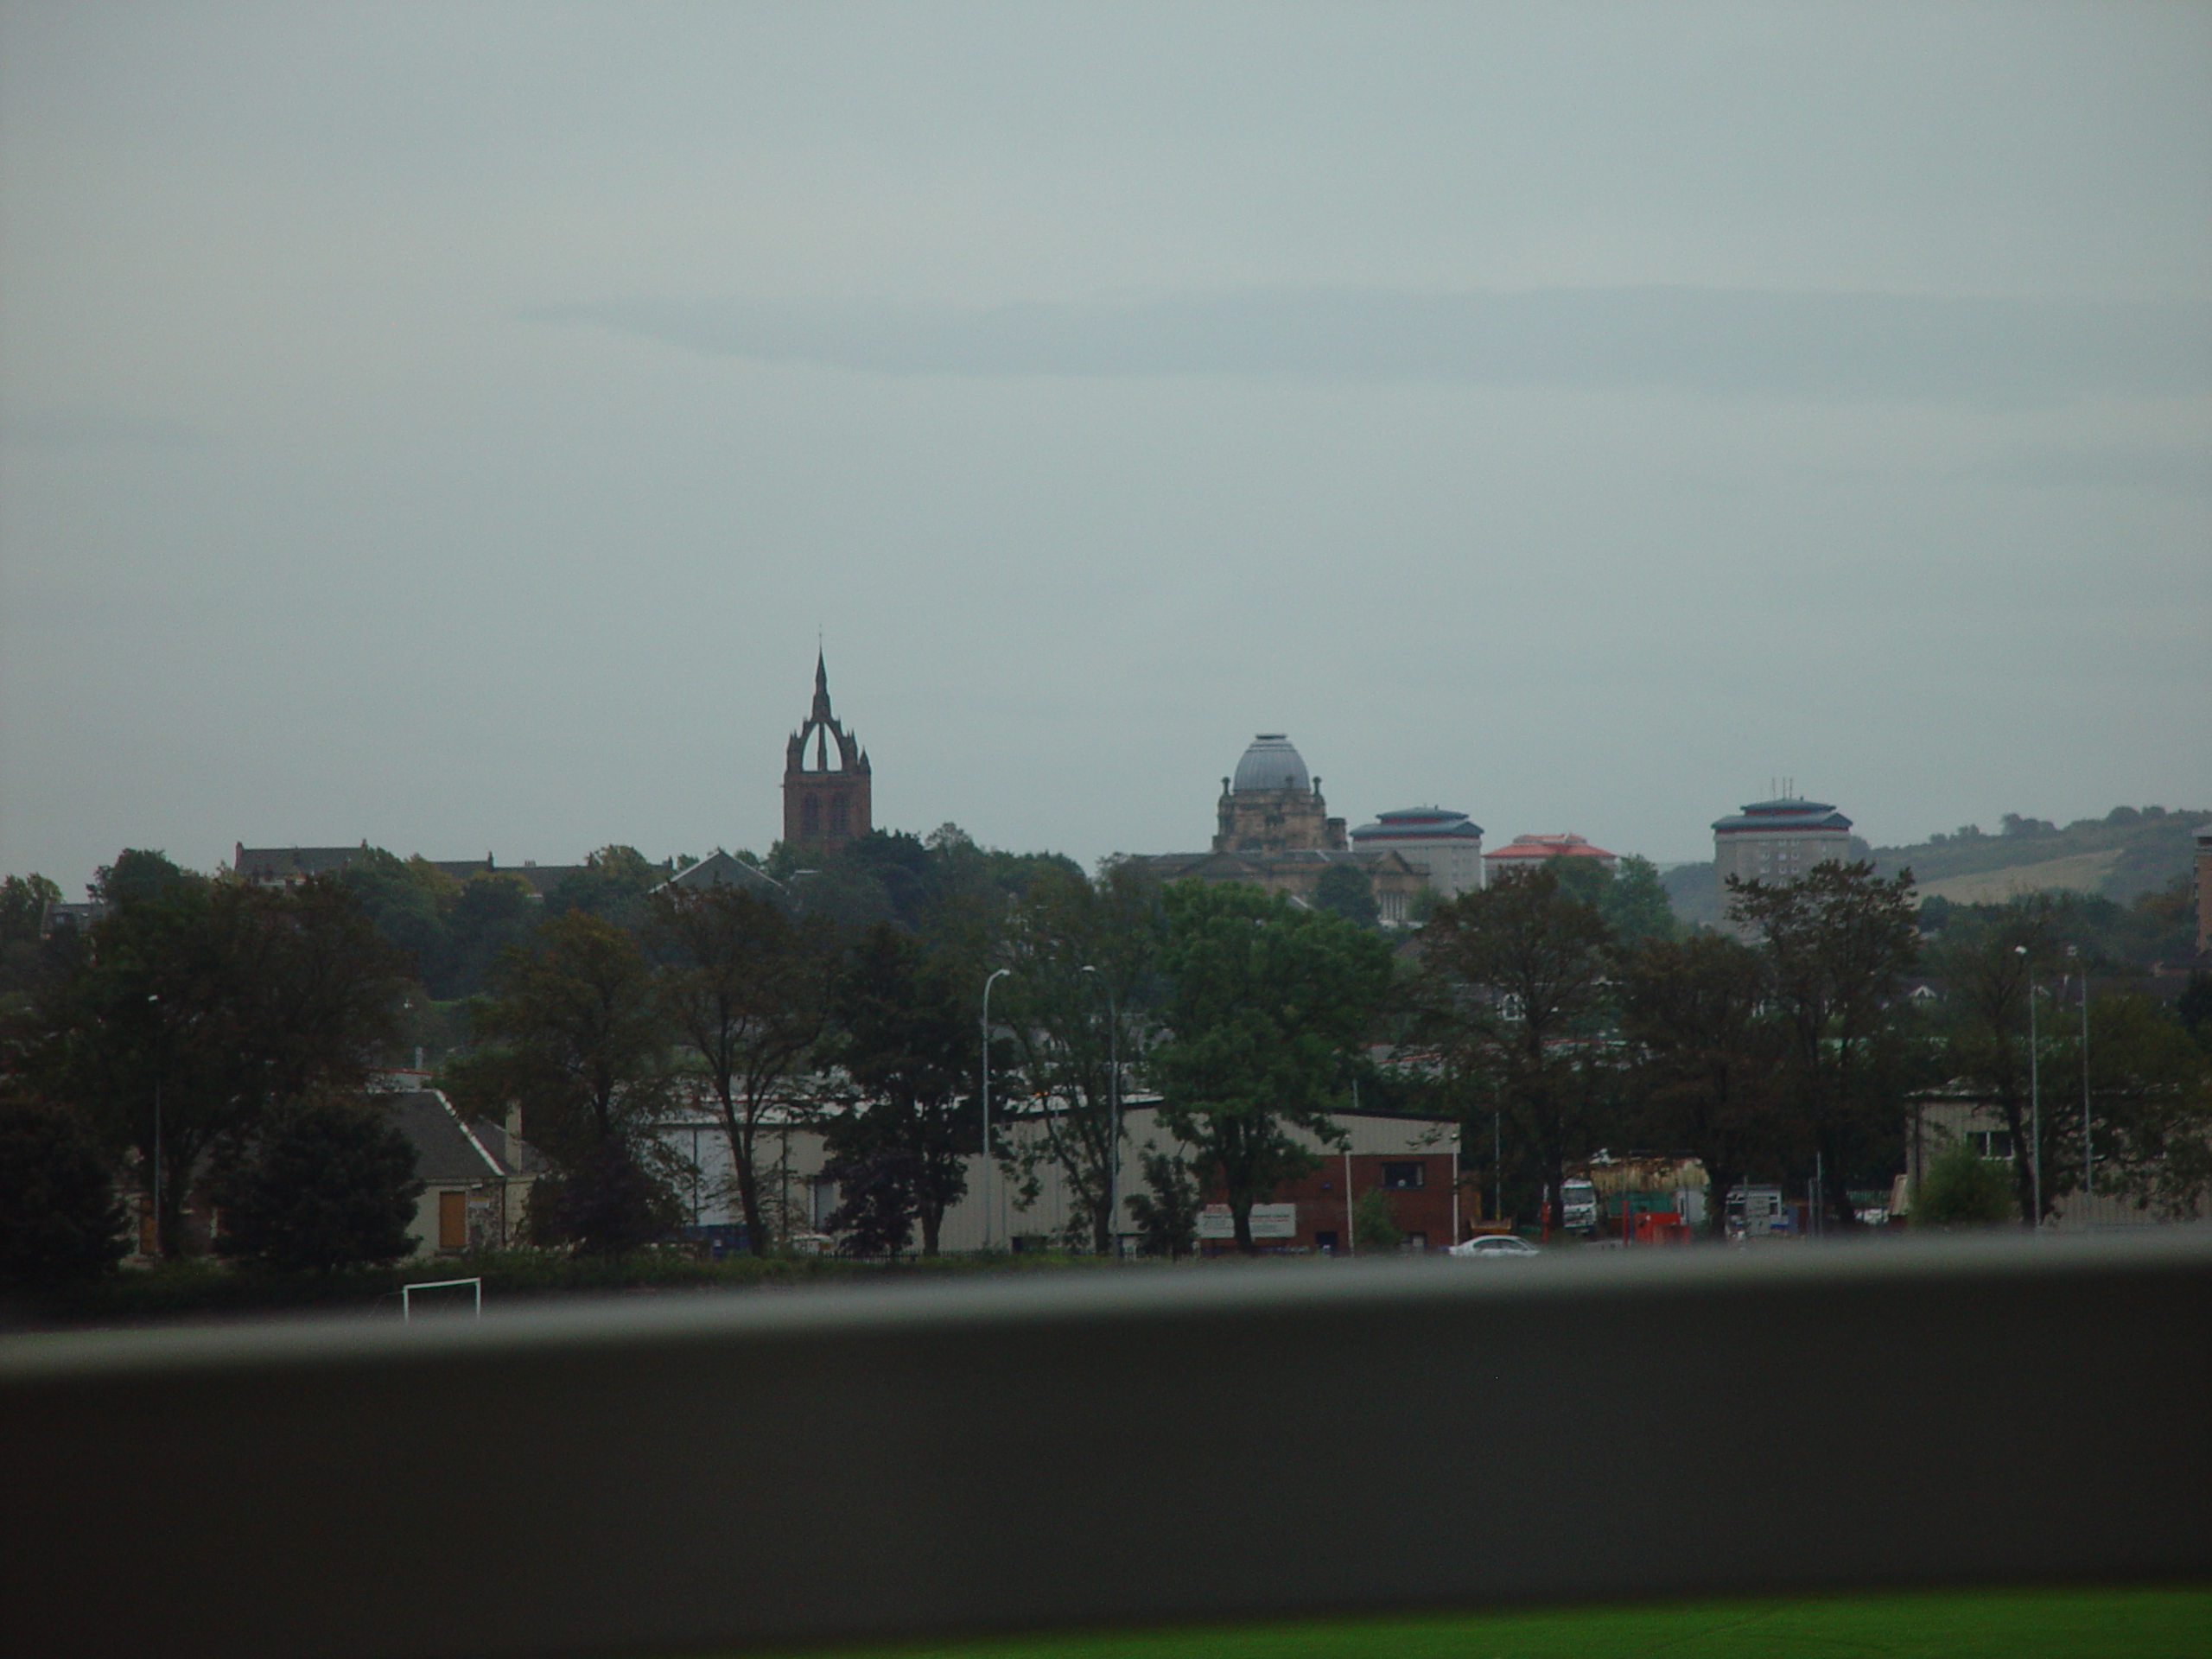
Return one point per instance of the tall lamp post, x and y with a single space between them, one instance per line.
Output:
1113 1110
1498 1163
2088 1153
2035 1095
154 1000
988 983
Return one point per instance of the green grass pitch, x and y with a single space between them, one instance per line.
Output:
2164 1623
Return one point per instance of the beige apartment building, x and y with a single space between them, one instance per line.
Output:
1778 842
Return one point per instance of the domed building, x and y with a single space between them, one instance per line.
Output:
1271 805
1273 831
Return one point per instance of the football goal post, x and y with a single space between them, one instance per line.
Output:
407 1294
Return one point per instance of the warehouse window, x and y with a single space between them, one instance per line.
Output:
1403 1178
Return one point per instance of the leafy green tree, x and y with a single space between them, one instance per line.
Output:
884 876
967 918
1707 1063
60 1222
842 894
607 1202
904 1035
407 902
1373 1226
2193 1007
200 1006
2151 1097
1167 1211
325 1183
1346 890
1512 976
490 913
23 900
1631 899
574 1032
614 884
1988 969
1836 941
1961 1188
1265 1009
877 1182
138 873
902 867
1635 904
748 986
1062 1014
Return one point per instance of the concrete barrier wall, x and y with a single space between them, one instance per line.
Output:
687 1473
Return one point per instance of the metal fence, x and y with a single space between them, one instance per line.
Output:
680 1474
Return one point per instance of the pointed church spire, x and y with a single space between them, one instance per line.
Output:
828 804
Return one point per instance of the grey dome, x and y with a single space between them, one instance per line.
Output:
1271 763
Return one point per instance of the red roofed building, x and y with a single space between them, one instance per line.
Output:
1528 852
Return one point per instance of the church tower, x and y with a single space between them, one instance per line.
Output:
826 804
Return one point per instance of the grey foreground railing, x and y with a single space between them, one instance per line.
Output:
1114 1448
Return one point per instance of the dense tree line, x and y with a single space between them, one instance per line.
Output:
184 1026
219 1034
1799 1048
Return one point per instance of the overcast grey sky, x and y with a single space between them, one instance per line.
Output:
449 425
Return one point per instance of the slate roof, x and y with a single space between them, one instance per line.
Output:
1764 818
296 863
514 1153
291 863
1420 823
719 869
446 1151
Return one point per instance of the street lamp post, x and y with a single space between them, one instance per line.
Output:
2035 1096
1113 1109
2088 1152
988 983
1498 1163
154 1000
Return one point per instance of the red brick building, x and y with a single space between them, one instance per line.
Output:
1412 1161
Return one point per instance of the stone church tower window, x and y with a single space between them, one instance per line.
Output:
826 794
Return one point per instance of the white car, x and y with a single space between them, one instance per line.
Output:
1493 1246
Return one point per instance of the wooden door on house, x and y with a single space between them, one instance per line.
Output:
453 1221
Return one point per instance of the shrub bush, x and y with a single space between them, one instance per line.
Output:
327 1185
60 1221
1961 1187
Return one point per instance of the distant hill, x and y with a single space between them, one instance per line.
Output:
2128 852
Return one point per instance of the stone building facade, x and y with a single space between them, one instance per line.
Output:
2204 890
827 798
1444 846
1273 831
1271 805
1778 841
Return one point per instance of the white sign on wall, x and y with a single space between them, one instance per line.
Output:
1268 1221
